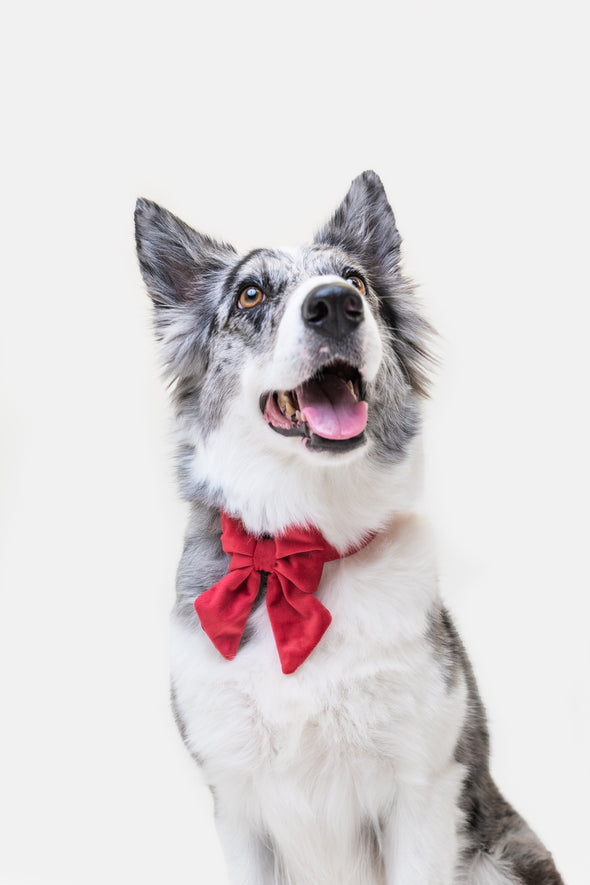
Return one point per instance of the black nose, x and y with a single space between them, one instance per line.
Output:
336 310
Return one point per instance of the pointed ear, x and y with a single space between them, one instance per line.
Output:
180 268
176 262
364 225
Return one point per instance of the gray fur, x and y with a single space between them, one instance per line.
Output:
446 645
491 826
181 269
203 561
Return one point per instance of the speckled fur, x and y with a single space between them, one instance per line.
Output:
369 764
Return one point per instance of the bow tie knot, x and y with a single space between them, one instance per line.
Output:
265 555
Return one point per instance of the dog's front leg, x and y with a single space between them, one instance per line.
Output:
420 842
250 861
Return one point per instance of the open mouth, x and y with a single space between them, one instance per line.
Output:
328 411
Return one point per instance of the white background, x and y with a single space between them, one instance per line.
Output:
249 120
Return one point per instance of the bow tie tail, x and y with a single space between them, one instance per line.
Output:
224 609
298 621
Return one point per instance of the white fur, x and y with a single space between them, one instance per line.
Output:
306 758
485 871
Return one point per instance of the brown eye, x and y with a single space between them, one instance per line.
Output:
251 296
357 283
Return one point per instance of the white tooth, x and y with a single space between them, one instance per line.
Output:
350 386
298 415
286 403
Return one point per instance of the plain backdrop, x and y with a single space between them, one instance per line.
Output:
249 120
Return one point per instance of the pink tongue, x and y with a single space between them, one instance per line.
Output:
330 409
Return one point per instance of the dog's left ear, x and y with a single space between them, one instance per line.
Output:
364 225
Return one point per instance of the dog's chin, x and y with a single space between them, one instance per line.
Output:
327 412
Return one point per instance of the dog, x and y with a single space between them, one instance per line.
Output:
317 678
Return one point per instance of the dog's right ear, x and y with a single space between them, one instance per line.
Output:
177 263
181 269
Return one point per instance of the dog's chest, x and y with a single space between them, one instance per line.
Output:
356 712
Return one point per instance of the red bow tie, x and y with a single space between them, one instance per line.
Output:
293 563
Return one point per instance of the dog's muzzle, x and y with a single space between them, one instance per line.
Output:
328 409
333 310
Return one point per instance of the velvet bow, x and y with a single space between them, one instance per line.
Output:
293 562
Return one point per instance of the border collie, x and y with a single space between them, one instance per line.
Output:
317 678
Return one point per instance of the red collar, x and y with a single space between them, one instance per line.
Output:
293 561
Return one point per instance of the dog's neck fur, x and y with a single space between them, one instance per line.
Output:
345 502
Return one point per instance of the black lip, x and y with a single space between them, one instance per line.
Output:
319 443
302 430
337 446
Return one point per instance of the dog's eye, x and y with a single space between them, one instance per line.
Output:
251 296
357 283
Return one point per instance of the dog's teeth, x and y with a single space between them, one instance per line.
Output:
285 403
297 414
352 388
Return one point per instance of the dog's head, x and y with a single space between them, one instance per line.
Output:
286 358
